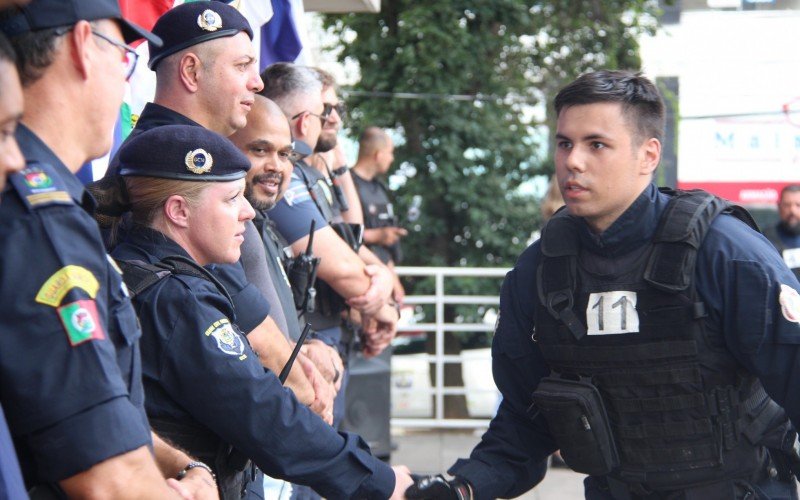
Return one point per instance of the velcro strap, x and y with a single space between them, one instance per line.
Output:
686 429
665 403
679 454
571 355
649 377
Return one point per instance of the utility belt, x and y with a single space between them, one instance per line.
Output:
579 423
233 469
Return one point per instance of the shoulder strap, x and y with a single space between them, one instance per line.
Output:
681 231
39 185
556 277
139 275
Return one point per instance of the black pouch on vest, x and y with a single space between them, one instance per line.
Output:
578 421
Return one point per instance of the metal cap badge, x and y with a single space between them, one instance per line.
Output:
198 161
185 152
209 20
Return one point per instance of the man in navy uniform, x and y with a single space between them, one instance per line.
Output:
70 365
785 235
650 336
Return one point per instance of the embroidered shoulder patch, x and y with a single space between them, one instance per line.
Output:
81 322
64 280
790 303
228 340
39 185
296 194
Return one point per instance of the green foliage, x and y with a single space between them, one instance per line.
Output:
466 158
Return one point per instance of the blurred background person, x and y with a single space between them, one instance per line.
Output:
785 234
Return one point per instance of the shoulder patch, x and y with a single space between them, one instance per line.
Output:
789 300
62 281
81 322
38 185
296 194
228 340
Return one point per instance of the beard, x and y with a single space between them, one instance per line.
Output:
790 228
325 143
262 202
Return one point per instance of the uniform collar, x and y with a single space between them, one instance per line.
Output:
154 243
634 228
155 115
36 151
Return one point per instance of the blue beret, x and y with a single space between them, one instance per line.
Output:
195 22
44 14
182 152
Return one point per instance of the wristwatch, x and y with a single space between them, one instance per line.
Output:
195 464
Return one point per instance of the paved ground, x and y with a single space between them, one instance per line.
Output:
429 452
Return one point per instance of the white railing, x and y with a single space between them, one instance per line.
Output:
439 299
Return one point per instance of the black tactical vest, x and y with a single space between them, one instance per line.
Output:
681 411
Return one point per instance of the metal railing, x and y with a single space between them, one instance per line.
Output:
440 299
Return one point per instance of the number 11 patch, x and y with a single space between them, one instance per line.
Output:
612 313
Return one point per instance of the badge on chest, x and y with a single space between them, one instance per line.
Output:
612 313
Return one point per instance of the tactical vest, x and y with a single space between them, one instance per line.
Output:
234 471
635 375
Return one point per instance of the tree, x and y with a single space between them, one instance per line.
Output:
467 157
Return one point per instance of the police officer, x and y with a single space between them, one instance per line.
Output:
11 160
189 202
297 90
206 75
266 141
382 233
642 333
785 235
69 365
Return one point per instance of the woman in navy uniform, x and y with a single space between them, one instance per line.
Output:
206 389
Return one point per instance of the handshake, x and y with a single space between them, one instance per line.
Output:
439 488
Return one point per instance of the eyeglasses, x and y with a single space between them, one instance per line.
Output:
340 107
322 118
129 55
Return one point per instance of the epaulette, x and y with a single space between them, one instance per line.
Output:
39 185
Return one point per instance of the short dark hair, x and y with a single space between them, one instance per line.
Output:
35 50
789 188
640 100
6 50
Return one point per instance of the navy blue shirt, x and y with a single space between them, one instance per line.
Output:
11 485
199 369
738 275
251 306
70 369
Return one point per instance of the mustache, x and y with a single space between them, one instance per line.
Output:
269 176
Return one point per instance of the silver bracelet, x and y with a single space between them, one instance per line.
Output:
195 464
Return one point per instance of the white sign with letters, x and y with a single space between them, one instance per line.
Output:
612 313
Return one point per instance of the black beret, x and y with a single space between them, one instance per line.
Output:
182 152
44 14
195 22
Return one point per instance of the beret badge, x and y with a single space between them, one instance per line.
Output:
209 20
198 161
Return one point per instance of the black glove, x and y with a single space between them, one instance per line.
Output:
439 488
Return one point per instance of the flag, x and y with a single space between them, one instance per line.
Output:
280 38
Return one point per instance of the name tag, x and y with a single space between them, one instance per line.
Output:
612 313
